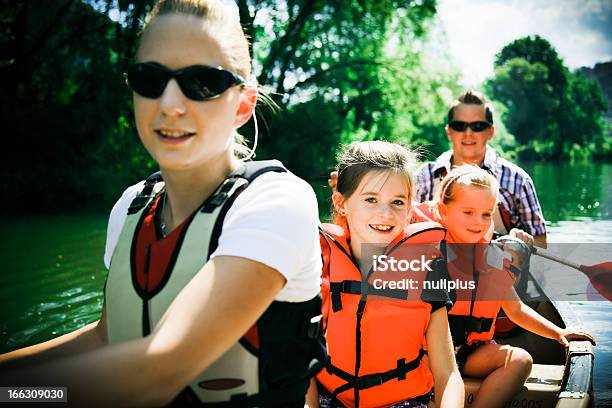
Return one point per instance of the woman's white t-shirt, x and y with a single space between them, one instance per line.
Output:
274 221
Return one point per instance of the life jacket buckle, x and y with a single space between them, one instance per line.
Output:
369 381
219 196
223 192
480 324
352 287
314 327
138 203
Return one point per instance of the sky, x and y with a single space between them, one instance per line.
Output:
475 30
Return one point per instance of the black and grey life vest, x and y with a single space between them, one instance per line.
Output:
272 371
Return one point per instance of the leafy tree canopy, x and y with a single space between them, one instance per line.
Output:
551 111
340 71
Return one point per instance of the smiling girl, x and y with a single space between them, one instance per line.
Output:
467 200
375 336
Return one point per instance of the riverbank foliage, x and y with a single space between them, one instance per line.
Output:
552 112
339 71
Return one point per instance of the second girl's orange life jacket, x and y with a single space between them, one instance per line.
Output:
374 337
471 320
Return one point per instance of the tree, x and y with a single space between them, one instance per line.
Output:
535 50
64 94
523 87
328 64
585 105
329 57
551 111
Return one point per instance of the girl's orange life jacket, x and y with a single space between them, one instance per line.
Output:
471 319
375 336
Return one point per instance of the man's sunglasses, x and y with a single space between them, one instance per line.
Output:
197 82
460 126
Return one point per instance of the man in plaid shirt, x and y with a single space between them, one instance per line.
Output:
469 128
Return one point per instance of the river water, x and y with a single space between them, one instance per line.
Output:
53 274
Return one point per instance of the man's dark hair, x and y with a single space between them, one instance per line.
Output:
471 98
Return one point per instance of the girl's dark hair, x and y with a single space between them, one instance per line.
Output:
357 159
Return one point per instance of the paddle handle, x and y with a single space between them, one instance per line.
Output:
545 254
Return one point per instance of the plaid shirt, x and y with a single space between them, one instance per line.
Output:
517 192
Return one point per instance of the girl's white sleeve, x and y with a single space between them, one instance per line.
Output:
116 220
275 222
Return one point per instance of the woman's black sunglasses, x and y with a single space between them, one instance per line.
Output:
460 126
197 82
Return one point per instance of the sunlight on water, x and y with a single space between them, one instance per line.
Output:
595 315
582 229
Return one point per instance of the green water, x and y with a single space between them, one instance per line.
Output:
573 192
53 274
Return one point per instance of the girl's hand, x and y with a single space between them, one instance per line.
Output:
566 335
522 235
332 181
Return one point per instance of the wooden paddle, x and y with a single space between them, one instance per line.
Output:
600 274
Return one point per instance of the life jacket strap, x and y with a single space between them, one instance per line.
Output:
219 196
354 287
480 324
249 172
372 380
473 325
141 200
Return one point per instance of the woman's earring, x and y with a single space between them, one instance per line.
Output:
343 213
